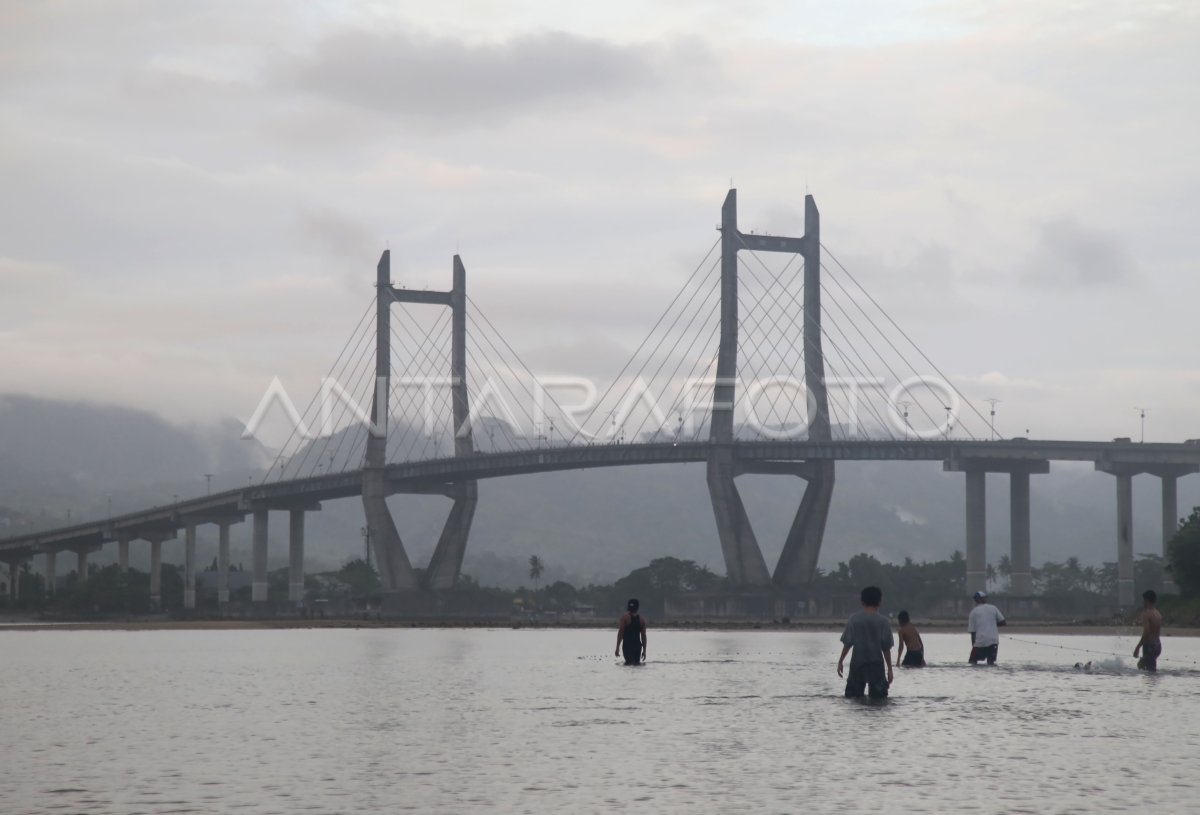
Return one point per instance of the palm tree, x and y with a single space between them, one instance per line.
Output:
536 567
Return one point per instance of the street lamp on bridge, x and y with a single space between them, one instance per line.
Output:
1142 414
993 402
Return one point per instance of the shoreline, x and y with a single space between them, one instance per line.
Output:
1052 628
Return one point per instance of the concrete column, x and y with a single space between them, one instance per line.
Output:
798 561
1125 540
14 579
460 404
123 551
814 359
376 452
976 531
296 556
223 564
446 564
1170 523
258 591
744 563
51 571
156 573
189 566
1022 576
81 558
724 396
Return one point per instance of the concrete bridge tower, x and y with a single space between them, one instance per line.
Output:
744 562
395 570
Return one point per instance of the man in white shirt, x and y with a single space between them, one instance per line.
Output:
983 625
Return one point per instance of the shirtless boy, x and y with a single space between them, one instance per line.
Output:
910 638
1150 645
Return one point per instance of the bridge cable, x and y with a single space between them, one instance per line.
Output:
658 347
515 388
359 391
783 340
638 350
760 316
358 327
859 373
362 368
747 349
747 354
678 404
687 352
361 431
517 356
504 380
861 368
298 456
339 427
934 422
903 333
432 354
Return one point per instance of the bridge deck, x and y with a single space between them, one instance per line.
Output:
429 475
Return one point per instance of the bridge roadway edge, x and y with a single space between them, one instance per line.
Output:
1165 459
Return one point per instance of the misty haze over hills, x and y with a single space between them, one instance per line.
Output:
58 456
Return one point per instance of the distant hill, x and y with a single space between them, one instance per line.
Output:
58 456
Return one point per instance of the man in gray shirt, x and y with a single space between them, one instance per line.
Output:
870 635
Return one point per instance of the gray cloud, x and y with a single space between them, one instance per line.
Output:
412 76
1070 254
195 195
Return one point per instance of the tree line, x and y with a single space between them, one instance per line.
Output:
923 586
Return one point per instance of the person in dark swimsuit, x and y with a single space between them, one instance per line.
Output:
631 636
909 638
1149 647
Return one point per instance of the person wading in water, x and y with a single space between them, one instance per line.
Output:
632 635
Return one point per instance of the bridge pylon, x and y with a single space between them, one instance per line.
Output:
744 563
395 570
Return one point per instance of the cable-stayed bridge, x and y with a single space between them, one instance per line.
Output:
767 361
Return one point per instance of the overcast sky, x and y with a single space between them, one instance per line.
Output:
194 195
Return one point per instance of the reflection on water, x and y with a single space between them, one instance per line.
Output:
388 720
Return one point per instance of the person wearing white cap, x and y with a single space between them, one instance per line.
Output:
983 626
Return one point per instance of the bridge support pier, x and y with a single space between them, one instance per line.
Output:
258 589
1021 579
1124 473
798 561
1125 540
976 516
14 580
156 573
1018 470
744 564
51 571
155 537
189 567
395 571
223 563
81 564
123 551
1170 522
446 563
296 556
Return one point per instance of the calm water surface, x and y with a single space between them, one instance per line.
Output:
391 720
